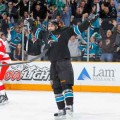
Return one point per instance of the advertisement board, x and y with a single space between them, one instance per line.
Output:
33 73
86 75
97 74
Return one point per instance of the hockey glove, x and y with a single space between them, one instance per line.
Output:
93 17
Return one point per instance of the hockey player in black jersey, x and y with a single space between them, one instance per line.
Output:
61 71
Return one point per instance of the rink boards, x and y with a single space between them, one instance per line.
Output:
88 77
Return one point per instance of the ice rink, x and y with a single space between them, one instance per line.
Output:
37 105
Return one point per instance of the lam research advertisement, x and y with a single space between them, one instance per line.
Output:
84 73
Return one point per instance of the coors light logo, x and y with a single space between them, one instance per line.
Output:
27 72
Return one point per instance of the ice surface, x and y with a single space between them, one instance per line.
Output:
37 105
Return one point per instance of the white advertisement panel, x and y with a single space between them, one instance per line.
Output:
32 73
92 73
97 73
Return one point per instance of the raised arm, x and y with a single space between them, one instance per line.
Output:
116 5
82 27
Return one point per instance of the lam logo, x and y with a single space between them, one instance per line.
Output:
84 75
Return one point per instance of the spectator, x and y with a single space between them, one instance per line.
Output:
23 5
78 14
82 5
38 12
18 52
34 47
96 24
117 6
12 11
113 9
117 40
73 4
60 5
86 5
93 50
106 24
25 15
73 46
16 38
108 44
35 2
50 2
117 44
97 3
4 23
67 12
66 15
106 13
3 7
54 12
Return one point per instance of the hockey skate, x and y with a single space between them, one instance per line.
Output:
3 99
61 115
69 111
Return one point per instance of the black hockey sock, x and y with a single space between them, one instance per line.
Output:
68 94
60 101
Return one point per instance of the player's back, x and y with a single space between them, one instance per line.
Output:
4 56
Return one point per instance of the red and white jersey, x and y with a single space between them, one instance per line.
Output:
4 57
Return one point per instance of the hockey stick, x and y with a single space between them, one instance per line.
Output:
29 61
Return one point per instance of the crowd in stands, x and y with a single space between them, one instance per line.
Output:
24 19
